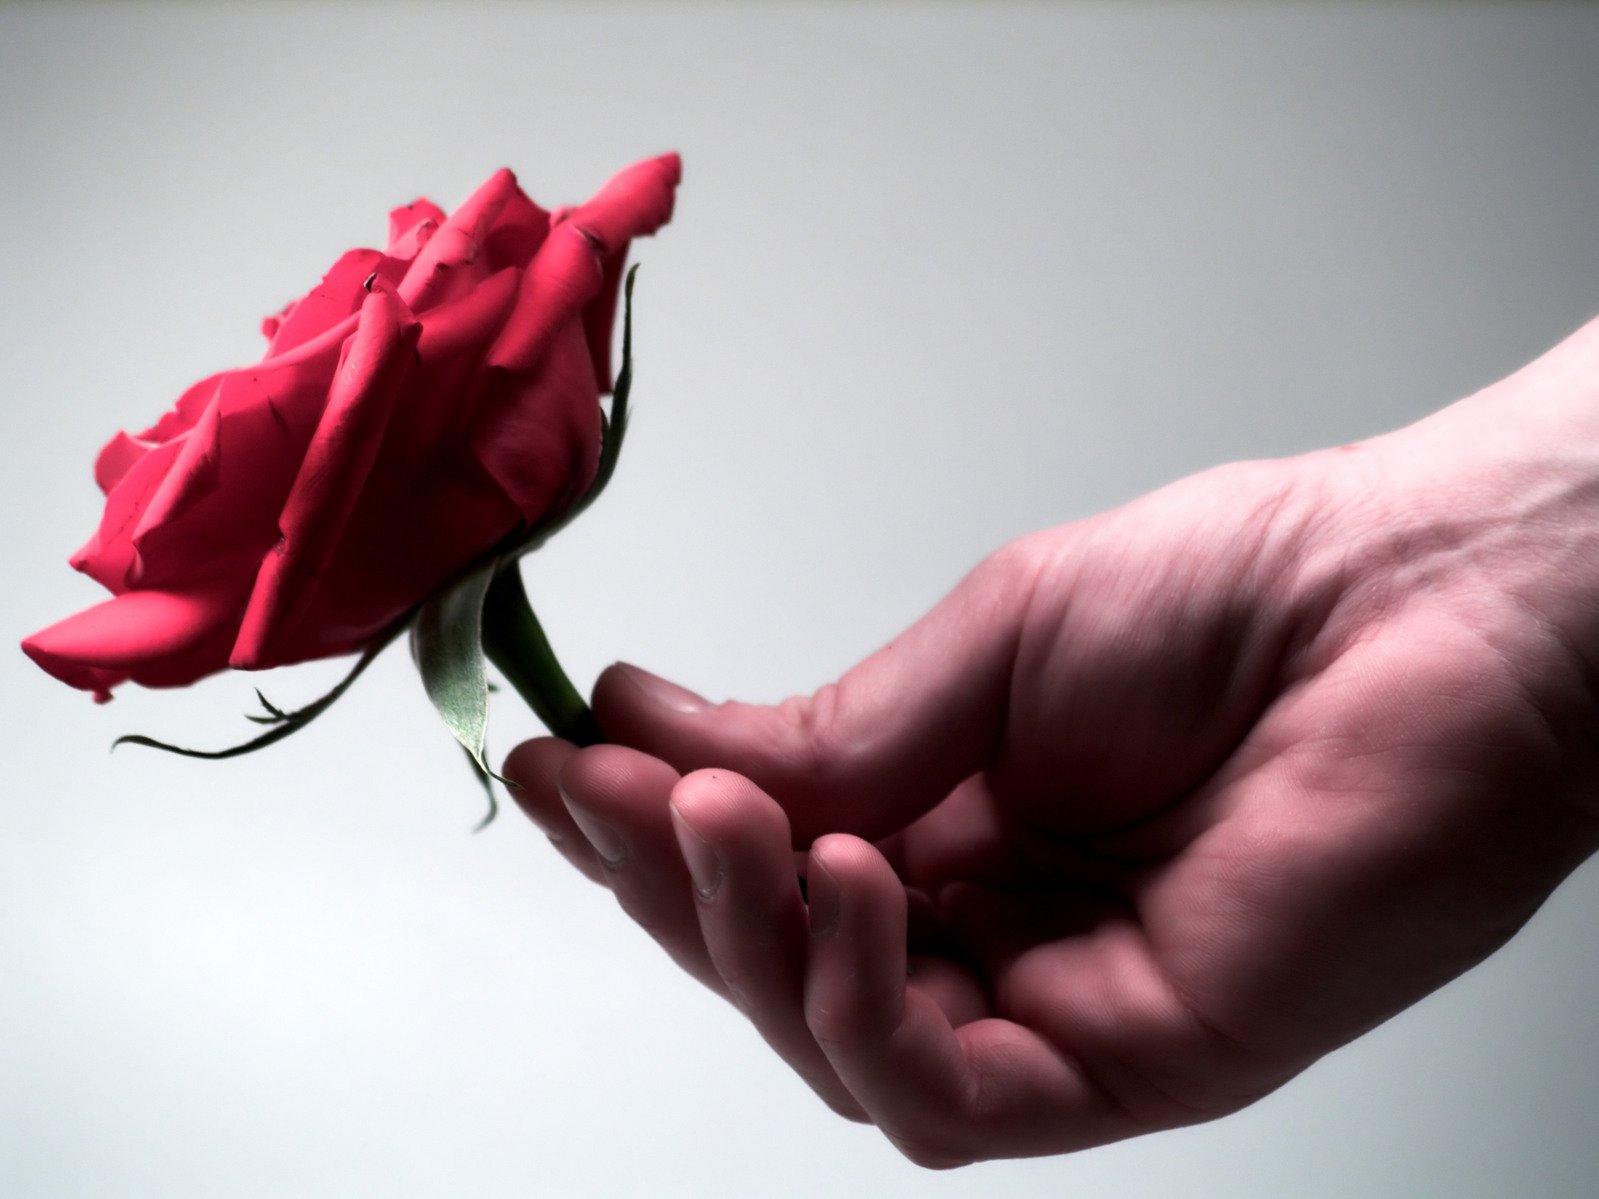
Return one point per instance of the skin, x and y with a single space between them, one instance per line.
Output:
1154 809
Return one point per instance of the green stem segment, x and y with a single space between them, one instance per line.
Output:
515 642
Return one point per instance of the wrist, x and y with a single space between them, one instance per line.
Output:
1506 482
1479 526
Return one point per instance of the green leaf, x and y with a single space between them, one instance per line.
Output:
447 642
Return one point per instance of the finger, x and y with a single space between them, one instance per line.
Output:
1074 965
885 743
534 767
973 836
995 928
936 964
944 1096
618 798
736 843
965 836
958 992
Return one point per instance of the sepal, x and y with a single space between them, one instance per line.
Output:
447 645
283 723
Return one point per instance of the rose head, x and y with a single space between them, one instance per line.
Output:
417 408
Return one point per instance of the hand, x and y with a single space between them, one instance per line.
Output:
1154 809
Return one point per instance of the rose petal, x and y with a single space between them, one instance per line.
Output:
183 415
332 338
634 203
271 324
391 558
107 557
403 223
329 482
409 245
542 451
431 421
193 474
158 638
442 268
338 295
116 458
518 232
403 540
574 265
377 455
599 320
267 415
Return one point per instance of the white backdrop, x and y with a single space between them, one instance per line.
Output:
939 275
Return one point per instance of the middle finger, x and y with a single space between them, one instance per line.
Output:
737 844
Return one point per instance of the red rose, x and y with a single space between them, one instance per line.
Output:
412 411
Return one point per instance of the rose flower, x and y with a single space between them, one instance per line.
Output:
413 411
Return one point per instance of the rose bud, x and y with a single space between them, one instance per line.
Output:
419 407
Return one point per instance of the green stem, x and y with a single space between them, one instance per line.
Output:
515 642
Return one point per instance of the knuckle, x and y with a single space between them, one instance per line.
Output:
1013 569
820 735
1015 559
829 1024
744 990
845 1025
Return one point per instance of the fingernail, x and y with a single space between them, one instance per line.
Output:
660 692
824 898
607 842
699 855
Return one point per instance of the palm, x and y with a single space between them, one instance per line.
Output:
1209 903
1240 780
1087 907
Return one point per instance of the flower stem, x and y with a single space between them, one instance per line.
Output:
515 642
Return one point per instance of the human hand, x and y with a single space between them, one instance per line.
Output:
1154 809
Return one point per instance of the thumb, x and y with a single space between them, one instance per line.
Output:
874 750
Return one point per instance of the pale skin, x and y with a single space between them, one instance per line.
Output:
1155 808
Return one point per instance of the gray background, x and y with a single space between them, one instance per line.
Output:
939 275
